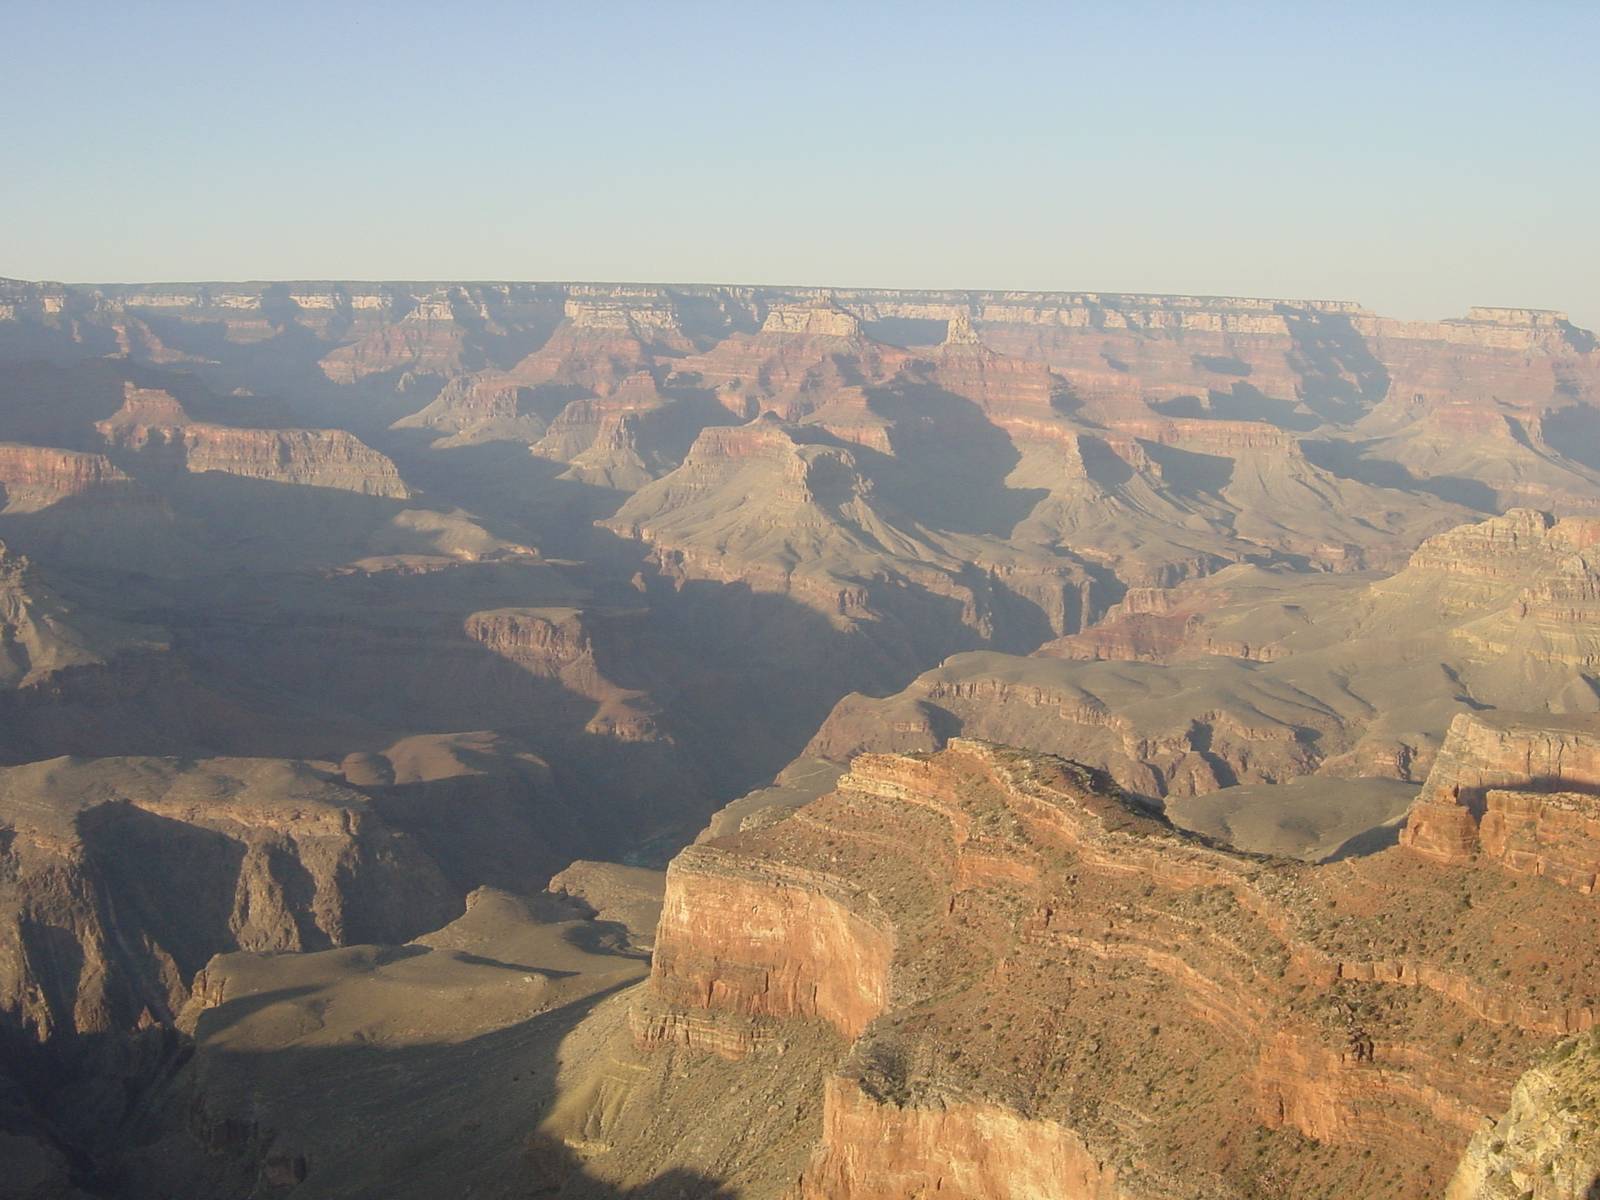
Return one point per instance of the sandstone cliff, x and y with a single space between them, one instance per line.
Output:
1050 991
1522 791
36 477
152 424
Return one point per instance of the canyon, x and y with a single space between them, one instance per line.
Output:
809 743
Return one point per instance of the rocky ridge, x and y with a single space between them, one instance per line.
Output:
982 890
1258 677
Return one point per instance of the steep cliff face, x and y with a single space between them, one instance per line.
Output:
40 634
557 644
801 356
153 424
428 338
328 458
770 945
124 876
37 477
1523 791
1547 1145
1471 566
1052 992
599 346
875 1149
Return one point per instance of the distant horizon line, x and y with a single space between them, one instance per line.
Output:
459 281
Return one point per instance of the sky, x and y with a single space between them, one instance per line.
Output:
1417 157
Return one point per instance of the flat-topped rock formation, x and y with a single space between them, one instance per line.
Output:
152 423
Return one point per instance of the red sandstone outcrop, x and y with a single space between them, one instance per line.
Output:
1508 787
769 945
36 477
874 1149
1180 1002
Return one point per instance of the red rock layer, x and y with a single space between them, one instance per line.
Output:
35 477
1490 787
1054 993
880 1151
784 946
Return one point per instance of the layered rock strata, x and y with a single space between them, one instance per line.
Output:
152 424
1050 991
1254 676
1523 792
124 876
37 477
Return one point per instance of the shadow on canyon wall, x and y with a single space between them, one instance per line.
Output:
407 1123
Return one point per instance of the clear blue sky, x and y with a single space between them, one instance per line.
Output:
1418 157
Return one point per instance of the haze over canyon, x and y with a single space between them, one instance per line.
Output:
777 743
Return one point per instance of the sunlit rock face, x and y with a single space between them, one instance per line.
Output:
987 926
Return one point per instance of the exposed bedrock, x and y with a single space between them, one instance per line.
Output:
1052 992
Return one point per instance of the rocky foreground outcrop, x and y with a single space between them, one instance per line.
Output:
1049 991
1547 1145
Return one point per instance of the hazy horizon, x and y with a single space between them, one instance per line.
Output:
775 285
1417 162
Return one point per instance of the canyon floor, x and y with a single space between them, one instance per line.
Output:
809 744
